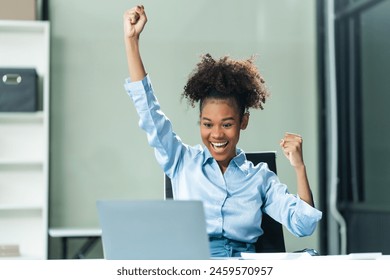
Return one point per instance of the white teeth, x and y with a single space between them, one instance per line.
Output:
219 144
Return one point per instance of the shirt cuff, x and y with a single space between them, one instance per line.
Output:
308 210
142 85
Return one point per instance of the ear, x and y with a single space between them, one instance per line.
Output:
244 121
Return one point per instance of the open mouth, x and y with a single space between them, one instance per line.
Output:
220 145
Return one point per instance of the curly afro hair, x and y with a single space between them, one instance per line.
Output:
225 79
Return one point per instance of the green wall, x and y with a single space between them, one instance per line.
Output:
97 149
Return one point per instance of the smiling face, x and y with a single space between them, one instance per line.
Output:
220 125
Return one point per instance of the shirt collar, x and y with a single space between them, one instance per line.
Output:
207 155
239 159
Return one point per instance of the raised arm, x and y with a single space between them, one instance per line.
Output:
134 21
292 148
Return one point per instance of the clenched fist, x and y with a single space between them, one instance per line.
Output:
134 21
292 148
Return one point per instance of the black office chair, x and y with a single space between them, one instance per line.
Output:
272 241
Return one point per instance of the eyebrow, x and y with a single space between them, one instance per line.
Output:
225 119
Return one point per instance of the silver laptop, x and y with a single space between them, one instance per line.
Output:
153 230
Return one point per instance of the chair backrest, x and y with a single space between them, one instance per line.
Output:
272 241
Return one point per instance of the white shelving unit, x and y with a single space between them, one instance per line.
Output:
24 144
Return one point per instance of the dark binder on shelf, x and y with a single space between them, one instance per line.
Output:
18 90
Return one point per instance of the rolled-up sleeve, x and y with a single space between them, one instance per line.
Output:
167 145
296 215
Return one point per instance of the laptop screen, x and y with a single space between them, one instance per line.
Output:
153 229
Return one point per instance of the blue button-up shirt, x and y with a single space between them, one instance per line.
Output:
233 201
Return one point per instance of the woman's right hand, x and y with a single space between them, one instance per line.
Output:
134 21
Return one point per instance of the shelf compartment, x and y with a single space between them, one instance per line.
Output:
22 186
22 141
23 228
25 44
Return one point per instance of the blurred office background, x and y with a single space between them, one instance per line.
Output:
99 152
354 87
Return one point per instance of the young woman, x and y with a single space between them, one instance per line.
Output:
234 192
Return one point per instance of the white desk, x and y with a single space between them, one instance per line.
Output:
92 235
306 256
